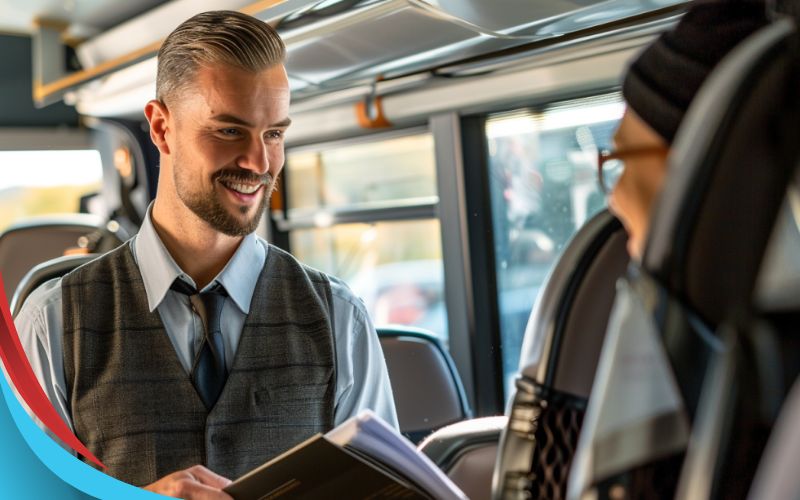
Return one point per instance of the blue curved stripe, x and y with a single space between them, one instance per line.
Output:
32 465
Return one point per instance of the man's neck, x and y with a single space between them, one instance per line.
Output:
199 250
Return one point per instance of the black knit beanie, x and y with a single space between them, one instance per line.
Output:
664 79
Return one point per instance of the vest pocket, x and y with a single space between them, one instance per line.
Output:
298 392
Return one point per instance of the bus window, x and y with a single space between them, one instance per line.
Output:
542 166
46 182
381 173
357 199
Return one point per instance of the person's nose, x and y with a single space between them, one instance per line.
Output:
256 157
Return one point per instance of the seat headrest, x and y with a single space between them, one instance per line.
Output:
43 272
565 333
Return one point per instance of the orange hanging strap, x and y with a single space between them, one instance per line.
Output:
369 113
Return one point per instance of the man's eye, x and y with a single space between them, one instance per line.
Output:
231 132
274 134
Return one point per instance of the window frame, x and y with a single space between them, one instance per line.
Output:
473 129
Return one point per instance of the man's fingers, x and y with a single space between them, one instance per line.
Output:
195 490
209 477
194 483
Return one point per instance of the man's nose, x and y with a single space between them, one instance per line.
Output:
255 158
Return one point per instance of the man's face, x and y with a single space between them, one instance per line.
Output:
633 196
227 148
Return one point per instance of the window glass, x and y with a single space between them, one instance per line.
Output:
361 176
45 182
543 187
395 267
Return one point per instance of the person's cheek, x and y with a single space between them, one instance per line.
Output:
622 203
616 199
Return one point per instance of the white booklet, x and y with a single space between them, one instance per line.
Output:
362 458
372 436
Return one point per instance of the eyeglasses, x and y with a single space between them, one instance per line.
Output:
611 163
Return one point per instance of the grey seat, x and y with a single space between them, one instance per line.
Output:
43 272
560 352
777 478
533 446
730 167
747 383
30 242
427 389
467 451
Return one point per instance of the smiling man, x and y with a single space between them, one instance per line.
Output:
196 351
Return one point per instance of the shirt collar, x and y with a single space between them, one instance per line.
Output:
159 269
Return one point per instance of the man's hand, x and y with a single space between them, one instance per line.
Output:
194 483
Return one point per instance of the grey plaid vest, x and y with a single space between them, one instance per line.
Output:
134 405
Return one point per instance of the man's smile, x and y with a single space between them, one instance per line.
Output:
241 187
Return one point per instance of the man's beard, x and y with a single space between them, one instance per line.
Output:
207 205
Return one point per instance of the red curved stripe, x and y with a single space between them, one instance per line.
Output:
26 383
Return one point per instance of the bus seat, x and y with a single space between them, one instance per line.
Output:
559 355
730 168
41 273
747 382
466 451
428 392
777 477
29 242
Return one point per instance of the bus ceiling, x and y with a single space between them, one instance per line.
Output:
332 44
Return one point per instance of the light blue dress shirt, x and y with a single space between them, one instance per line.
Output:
361 378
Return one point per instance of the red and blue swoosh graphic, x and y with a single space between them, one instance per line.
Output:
21 375
32 465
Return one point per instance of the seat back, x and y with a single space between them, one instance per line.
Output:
777 477
466 451
730 168
428 392
27 243
41 273
560 351
748 380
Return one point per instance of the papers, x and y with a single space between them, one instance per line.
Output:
362 458
370 435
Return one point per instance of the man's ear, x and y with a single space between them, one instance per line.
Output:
158 116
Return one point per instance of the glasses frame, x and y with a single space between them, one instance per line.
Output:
605 155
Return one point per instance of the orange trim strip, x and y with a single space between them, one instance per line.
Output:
255 8
41 91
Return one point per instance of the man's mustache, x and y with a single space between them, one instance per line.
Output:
242 176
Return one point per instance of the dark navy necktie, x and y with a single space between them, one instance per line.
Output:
208 370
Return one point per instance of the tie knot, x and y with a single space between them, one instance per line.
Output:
185 288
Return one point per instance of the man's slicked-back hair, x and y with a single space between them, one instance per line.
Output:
215 37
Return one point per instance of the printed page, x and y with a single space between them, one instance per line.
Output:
370 435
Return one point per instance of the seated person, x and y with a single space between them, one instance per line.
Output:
658 89
196 351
